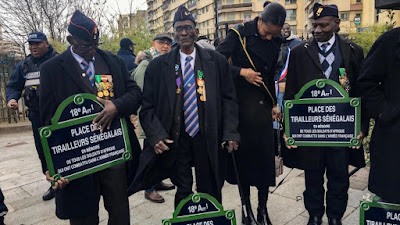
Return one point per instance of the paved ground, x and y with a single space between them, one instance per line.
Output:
23 185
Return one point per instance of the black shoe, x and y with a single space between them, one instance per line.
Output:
164 187
333 221
50 194
249 220
314 220
262 217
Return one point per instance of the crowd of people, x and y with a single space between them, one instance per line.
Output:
195 103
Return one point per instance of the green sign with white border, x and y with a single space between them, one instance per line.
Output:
72 146
323 114
201 209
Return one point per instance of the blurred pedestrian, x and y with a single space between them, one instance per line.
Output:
126 52
3 208
378 84
26 79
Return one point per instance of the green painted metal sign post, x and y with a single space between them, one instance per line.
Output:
201 209
74 148
323 114
374 212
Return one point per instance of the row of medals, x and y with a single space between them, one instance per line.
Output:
104 89
200 86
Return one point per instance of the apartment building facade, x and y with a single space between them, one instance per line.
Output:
354 14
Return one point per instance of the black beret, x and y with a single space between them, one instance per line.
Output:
183 14
83 27
320 11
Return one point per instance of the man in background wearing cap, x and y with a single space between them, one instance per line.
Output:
323 57
70 73
189 108
254 79
26 77
161 45
126 53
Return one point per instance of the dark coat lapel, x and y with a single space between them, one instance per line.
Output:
398 49
73 70
345 49
312 49
168 70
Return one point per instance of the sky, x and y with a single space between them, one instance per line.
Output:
124 5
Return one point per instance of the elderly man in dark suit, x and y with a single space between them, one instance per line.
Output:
70 73
189 108
320 58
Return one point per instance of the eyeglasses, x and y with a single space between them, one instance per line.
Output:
87 47
162 43
187 28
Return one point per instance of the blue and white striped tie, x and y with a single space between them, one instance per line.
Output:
88 72
190 100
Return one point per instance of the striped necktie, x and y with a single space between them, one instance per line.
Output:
190 100
88 72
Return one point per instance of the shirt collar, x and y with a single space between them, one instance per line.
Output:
331 41
77 57
183 55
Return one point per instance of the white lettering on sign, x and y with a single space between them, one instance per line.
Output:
78 112
321 93
370 222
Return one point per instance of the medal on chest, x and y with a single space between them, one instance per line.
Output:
178 80
201 90
344 80
104 86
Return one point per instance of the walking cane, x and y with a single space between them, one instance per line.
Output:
247 215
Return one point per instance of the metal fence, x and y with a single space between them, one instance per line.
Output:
7 65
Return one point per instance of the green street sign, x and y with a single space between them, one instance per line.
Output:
201 209
72 146
322 114
376 212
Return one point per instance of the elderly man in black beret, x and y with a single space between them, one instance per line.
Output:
189 109
70 73
322 57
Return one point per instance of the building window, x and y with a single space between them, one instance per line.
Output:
246 1
207 9
290 14
208 24
230 16
230 1
344 16
246 17
359 1
288 2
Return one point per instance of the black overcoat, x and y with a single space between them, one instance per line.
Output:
62 77
304 66
157 113
256 151
379 85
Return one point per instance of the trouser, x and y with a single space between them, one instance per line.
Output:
3 208
112 186
34 117
335 161
193 150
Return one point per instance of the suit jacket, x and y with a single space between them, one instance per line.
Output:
379 85
304 66
159 102
62 77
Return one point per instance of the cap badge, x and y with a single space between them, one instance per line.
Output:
319 11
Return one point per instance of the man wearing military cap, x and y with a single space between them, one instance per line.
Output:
189 108
26 78
323 57
71 73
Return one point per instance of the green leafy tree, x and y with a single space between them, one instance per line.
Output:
139 33
367 37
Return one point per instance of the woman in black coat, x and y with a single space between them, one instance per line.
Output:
254 81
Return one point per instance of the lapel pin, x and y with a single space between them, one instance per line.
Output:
83 74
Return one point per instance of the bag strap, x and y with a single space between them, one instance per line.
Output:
243 42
